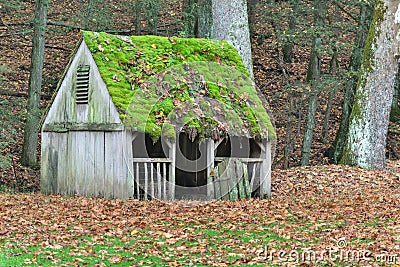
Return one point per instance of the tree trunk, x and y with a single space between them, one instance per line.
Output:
138 17
204 19
288 135
251 13
366 12
231 24
32 126
287 48
395 110
189 17
197 18
313 77
369 119
334 70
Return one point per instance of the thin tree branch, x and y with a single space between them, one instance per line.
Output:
21 94
16 33
46 46
77 27
338 4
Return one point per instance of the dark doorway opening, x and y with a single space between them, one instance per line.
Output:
145 147
191 162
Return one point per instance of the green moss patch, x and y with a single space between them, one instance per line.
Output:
161 85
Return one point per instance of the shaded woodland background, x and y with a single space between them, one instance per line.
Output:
274 24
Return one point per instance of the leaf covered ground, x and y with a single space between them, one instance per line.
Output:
350 213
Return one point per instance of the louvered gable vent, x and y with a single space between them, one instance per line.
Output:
82 84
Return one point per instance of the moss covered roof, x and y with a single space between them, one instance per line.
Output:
161 85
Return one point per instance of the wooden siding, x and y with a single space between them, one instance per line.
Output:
64 109
85 163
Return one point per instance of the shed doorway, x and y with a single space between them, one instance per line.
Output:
191 168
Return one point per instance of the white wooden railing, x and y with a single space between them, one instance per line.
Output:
152 178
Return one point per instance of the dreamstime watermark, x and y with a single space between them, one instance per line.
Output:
338 253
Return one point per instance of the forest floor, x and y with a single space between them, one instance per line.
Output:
317 216
352 213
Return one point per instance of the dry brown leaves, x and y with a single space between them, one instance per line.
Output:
313 208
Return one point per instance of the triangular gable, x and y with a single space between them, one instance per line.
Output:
65 113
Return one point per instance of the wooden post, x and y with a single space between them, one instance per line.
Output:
137 181
152 185
172 156
265 170
165 181
146 181
210 167
158 181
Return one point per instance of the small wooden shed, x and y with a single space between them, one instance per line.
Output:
155 117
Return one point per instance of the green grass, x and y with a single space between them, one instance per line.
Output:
172 243
138 248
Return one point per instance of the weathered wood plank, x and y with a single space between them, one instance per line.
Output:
159 180
46 162
137 181
232 175
71 126
217 181
109 163
268 162
223 180
246 183
99 164
253 177
119 165
210 148
151 160
71 165
82 113
247 160
152 185
80 170
90 164
265 170
63 163
146 181
127 171
165 181
240 180
116 164
172 156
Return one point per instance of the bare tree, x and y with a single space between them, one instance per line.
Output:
31 131
198 18
313 78
369 118
231 24
364 22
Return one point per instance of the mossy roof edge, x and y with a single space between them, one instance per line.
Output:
127 64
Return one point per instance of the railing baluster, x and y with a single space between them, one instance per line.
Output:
137 181
158 181
152 179
146 180
253 177
165 180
